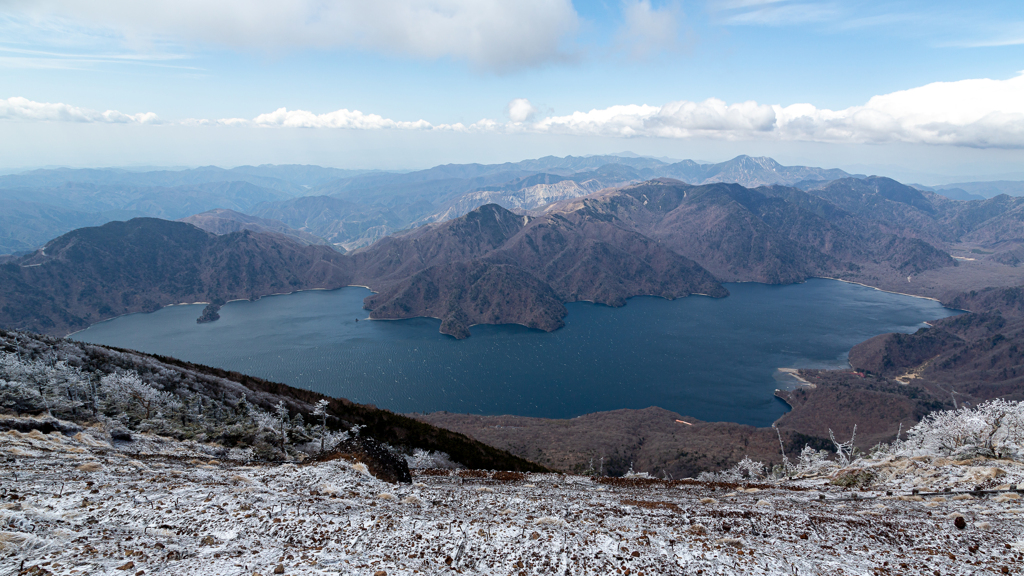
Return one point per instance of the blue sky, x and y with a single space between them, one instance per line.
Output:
932 89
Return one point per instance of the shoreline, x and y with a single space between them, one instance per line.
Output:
795 374
882 289
226 302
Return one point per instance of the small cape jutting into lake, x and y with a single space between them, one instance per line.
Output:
714 359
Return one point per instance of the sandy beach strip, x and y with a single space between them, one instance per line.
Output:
795 373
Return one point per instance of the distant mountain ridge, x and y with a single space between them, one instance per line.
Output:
223 221
384 202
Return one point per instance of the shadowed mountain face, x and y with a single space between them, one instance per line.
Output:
138 266
491 266
773 235
548 260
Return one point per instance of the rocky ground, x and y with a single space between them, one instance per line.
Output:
85 504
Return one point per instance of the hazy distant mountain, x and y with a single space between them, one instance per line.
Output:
223 221
173 202
450 191
747 171
380 202
24 226
985 189
292 179
957 194
33 216
340 222
539 190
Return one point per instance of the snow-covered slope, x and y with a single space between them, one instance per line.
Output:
84 504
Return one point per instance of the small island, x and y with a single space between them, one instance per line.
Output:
210 313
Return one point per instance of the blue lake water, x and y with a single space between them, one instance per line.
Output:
714 359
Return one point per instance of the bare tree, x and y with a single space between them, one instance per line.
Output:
844 450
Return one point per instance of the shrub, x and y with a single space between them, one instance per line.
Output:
994 429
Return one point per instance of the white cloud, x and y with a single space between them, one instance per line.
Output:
27 110
352 119
521 110
647 31
980 113
682 119
493 34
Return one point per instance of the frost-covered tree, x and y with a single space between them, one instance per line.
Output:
994 428
127 389
48 384
281 412
320 411
242 407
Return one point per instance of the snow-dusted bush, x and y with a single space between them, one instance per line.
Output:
423 459
744 470
327 442
241 454
994 428
813 461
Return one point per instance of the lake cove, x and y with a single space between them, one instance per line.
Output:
714 359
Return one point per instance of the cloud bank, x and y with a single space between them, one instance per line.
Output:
980 113
26 110
490 34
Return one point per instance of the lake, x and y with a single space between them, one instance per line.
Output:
713 359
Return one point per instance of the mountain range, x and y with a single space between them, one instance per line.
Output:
364 205
659 237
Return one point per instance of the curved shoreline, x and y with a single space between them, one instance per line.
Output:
883 290
70 334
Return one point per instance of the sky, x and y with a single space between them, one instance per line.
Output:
928 91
